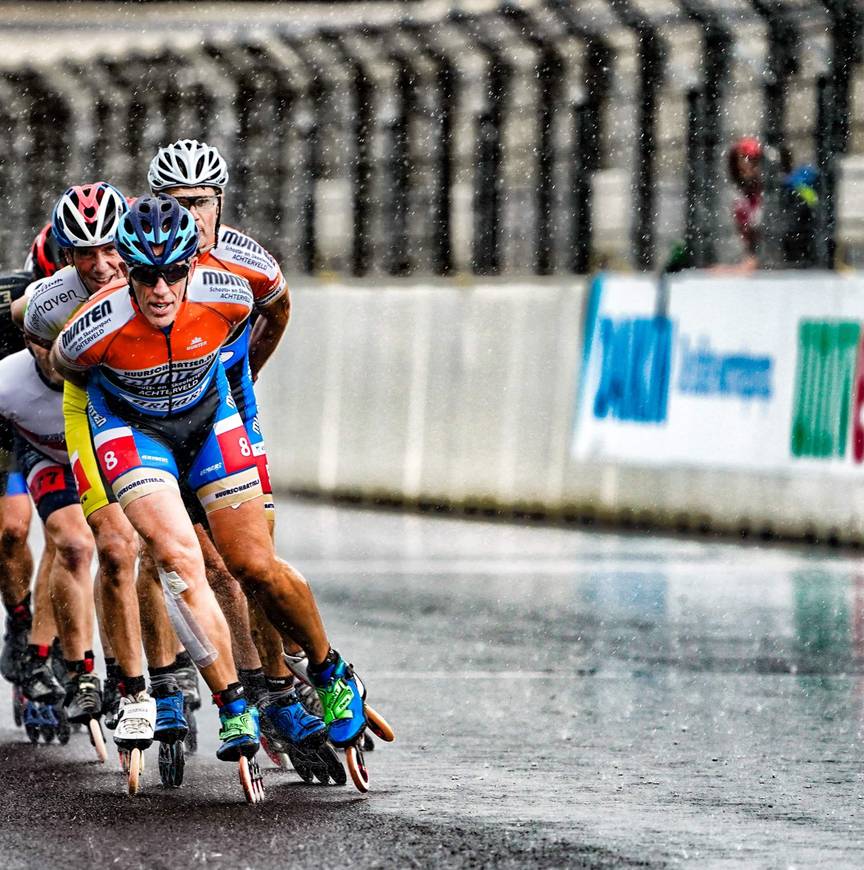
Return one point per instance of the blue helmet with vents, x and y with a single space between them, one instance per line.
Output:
157 222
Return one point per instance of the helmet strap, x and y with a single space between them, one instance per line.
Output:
218 220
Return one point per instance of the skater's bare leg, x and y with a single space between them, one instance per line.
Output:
107 651
116 600
161 520
232 600
160 641
16 558
44 628
282 592
70 580
269 642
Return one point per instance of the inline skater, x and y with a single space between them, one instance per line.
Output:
196 175
30 399
84 222
16 559
162 412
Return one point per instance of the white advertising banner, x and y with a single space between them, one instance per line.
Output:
757 372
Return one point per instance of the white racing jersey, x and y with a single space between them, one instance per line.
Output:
52 301
33 405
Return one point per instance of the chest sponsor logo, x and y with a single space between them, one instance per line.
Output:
173 379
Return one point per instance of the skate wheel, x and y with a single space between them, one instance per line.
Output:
250 779
357 768
17 707
191 740
257 780
32 733
379 726
97 738
280 759
301 764
135 770
246 780
172 763
64 732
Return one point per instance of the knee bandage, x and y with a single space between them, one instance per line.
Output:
190 634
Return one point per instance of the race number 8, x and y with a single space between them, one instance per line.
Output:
110 460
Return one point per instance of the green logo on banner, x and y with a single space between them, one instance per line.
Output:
827 353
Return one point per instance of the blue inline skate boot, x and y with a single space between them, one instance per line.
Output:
171 722
240 731
305 739
346 714
341 694
170 730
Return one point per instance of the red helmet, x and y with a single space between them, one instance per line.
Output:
46 256
748 147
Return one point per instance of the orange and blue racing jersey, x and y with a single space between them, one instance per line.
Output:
151 371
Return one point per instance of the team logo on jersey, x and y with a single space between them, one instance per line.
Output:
85 321
98 420
196 343
223 279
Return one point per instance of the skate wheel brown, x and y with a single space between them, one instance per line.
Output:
357 768
378 725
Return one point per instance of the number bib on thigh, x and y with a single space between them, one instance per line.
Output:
50 483
225 472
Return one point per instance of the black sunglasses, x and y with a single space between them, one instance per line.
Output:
150 275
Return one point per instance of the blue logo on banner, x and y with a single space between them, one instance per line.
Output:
706 372
637 363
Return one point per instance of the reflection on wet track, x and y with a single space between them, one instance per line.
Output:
560 698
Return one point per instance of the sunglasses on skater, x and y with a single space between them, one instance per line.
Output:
200 203
149 275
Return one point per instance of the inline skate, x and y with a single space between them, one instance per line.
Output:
346 713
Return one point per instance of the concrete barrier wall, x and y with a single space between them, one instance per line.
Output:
465 395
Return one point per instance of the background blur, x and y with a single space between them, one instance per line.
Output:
427 138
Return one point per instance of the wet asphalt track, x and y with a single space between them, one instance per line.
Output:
561 699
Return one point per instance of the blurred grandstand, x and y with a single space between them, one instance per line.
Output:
430 138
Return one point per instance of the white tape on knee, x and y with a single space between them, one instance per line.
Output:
189 632
172 581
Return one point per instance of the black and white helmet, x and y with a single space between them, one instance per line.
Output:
187 163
